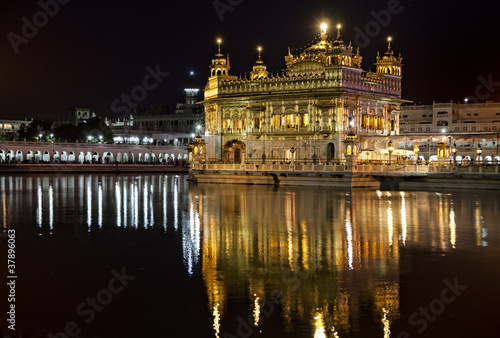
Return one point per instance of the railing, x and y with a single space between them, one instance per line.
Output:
367 168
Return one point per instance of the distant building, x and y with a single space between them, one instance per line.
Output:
77 115
9 128
155 124
450 118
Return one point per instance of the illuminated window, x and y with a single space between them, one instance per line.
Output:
277 121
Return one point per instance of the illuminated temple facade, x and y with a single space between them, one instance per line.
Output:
308 111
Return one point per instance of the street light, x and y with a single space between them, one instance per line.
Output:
416 149
479 151
100 138
454 152
391 149
89 138
40 137
293 151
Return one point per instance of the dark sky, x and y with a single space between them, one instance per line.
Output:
92 52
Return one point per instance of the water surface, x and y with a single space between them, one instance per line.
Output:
248 261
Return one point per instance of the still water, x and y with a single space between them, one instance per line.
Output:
157 256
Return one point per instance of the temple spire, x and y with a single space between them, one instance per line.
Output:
219 42
324 30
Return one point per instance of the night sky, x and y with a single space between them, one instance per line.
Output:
92 52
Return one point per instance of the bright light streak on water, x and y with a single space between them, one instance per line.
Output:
390 227
453 227
39 210
319 326
216 316
403 218
136 205
89 203
387 324
191 239
165 203
256 311
125 196
151 205
176 204
51 207
348 229
477 223
145 204
118 199
99 206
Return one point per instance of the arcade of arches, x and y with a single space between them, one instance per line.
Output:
34 152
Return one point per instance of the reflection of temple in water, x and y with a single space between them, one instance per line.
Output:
308 249
332 256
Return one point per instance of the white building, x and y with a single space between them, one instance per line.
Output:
447 118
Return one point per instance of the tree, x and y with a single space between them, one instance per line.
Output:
67 133
32 131
95 127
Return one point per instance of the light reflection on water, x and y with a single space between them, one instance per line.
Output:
327 259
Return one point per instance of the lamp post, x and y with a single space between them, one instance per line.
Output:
391 149
40 137
454 152
292 151
416 149
479 151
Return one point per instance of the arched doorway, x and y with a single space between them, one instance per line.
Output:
234 152
330 152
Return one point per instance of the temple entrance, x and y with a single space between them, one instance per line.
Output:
330 152
234 152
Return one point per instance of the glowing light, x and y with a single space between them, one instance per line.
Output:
324 28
